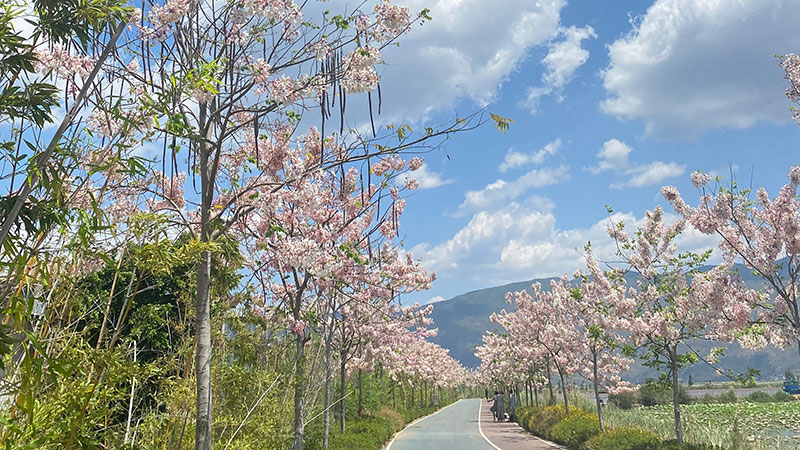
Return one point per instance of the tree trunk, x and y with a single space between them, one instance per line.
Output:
536 394
203 355
597 389
327 398
360 395
299 392
676 407
550 383
343 389
394 402
563 389
203 301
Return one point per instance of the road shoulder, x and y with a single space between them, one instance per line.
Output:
509 435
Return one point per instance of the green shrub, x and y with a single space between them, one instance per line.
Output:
542 421
624 400
367 432
706 399
673 445
522 415
760 397
652 394
624 439
728 397
577 428
782 396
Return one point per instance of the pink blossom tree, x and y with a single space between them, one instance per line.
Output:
671 302
761 234
790 63
229 109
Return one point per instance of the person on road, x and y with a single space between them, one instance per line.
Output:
486 393
499 405
493 409
512 405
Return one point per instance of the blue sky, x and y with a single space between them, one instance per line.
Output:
611 101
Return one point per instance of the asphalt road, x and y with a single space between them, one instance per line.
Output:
453 427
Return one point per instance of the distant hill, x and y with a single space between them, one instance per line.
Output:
463 319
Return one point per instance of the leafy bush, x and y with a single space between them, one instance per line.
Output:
368 432
728 397
706 399
624 439
542 421
624 400
652 394
577 428
760 397
782 396
673 445
522 416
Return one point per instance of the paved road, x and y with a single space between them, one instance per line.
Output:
458 427
453 427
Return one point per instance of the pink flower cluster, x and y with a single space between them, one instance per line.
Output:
387 164
360 76
791 66
162 18
391 20
59 61
170 191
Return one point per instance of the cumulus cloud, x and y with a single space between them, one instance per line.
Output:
516 242
517 159
428 179
613 156
435 299
467 51
650 174
561 62
502 191
687 66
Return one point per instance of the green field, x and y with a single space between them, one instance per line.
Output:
732 425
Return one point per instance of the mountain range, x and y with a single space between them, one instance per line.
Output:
463 319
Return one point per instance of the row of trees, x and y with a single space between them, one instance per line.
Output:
203 189
656 301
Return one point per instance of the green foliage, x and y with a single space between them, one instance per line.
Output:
577 428
501 123
728 396
623 400
624 439
759 397
674 445
782 396
651 394
523 415
542 421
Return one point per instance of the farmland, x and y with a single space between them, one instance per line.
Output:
732 425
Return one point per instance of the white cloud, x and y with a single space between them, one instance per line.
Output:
517 159
563 59
467 50
613 156
428 179
435 299
693 65
517 243
501 191
653 173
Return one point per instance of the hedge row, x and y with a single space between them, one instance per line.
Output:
373 430
580 430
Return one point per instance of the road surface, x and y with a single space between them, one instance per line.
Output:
465 425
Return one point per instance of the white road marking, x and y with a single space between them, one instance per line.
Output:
419 420
480 407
